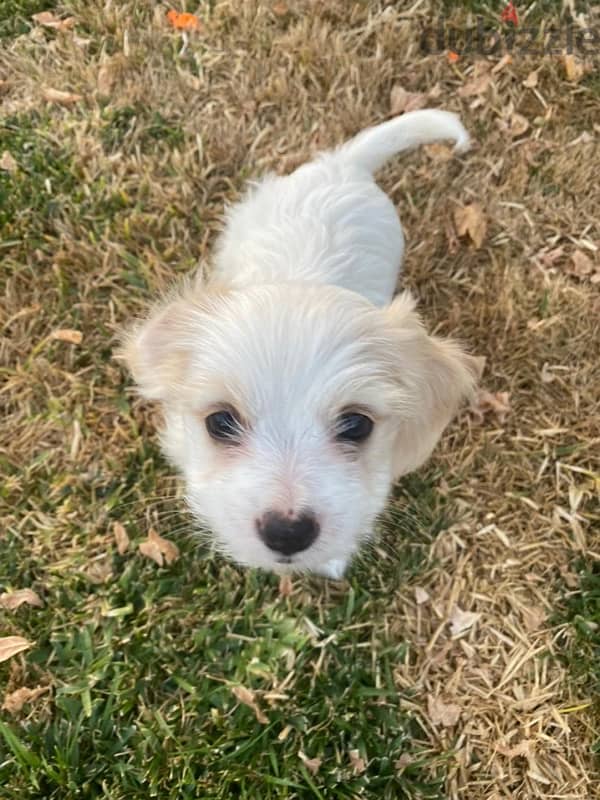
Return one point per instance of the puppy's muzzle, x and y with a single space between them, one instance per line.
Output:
287 535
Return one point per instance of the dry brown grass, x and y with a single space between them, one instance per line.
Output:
258 91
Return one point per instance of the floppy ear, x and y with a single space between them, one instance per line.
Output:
158 350
437 375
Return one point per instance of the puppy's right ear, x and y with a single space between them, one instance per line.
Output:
158 350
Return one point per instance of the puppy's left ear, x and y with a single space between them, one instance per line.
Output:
435 375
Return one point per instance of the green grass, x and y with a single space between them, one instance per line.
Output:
144 664
582 612
15 15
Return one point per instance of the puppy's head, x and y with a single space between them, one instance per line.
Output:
291 409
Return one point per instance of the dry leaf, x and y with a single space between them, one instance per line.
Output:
358 763
475 86
67 335
461 621
517 125
403 762
452 57
440 713
8 163
582 265
531 81
573 67
14 701
312 764
100 570
470 221
106 78
280 9
159 549
247 698
504 61
497 403
402 101
11 645
48 20
121 538
285 585
533 617
62 98
547 258
12 600
421 596
4 86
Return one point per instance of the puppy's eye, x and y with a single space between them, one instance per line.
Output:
353 427
223 426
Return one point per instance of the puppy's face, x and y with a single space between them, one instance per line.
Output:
291 409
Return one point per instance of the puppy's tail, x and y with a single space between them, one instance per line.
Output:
374 146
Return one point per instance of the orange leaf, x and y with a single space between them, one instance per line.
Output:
452 57
183 21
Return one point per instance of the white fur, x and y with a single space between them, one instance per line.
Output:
296 325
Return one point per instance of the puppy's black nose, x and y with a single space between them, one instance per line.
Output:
287 535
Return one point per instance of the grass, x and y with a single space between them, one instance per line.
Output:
115 196
160 650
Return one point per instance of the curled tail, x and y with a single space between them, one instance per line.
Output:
374 146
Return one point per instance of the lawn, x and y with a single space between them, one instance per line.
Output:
460 657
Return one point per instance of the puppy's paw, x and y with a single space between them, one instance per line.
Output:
335 569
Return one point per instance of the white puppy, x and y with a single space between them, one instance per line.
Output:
295 390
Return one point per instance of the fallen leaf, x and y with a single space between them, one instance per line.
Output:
4 86
517 125
452 57
285 585
8 163
280 9
62 98
312 764
14 701
421 596
121 538
531 81
48 20
533 617
358 763
12 600
11 645
547 258
106 78
159 549
402 101
440 713
403 762
100 570
183 21
67 335
461 621
581 265
470 221
523 748
475 86
497 403
504 61
439 152
247 698
573 67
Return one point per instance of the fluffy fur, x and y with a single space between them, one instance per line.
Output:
296 327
